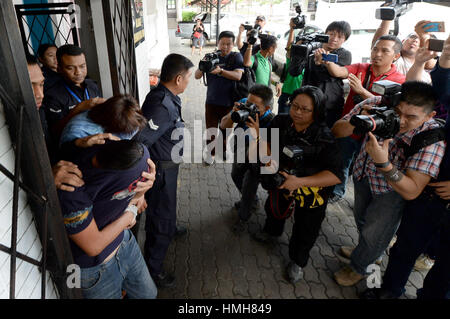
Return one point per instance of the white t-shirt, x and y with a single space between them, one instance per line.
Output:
403 67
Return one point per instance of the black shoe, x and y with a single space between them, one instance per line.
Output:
239 226
377 293
255 204
264 238
164 280
180 232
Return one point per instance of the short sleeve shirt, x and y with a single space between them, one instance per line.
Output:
220 89
403 67
103 198
263 70
291 83
426 161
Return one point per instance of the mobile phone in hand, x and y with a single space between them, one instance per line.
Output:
435 27
435 45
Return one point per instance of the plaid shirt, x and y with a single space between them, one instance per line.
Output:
426 161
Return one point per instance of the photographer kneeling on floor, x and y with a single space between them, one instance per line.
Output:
244 173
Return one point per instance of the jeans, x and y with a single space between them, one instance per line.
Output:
283 107
126 270
246 179
377 218
349 147
422 220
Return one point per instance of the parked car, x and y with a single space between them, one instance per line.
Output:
227 22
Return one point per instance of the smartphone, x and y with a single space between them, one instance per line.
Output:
435 45
330 57
435 27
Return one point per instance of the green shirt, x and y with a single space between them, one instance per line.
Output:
291 83
263 70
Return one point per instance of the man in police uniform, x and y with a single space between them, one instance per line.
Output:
162 108
73 93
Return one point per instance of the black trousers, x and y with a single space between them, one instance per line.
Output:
161 214
246 178
423 221
307 223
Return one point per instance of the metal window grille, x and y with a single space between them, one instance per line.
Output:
120 39
40 22
32 171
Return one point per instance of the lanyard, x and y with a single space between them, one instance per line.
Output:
76 96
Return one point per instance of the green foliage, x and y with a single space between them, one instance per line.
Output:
187 16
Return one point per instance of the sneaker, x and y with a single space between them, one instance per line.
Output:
423 263
164 280
346 251
334 199
264 238
392 242
377 294
239 226
347 277
294 272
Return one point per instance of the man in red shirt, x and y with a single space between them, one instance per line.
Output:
361 76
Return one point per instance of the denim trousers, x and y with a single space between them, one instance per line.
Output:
126 270
283 107
349 147
377 218
246 178
422 220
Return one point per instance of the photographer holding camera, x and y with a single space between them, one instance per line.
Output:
245 174
310 165
260 22
226 69
361 77
318 75
260 62
389 171
424 219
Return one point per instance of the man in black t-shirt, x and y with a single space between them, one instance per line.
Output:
317 74
219 95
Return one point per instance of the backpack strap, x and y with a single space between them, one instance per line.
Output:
424 139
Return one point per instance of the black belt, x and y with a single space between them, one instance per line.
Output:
166 164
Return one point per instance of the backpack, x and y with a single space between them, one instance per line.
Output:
241 88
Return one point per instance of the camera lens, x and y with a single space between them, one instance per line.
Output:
240 116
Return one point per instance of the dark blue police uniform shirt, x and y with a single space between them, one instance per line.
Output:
163 111
58 101
220 89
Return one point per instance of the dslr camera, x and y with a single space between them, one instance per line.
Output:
392 9
382 121
293 155
300 19
253 34
245 111
209 62
301 52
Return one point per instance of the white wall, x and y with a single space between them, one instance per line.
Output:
151 53
28 276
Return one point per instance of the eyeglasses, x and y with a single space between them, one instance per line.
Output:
302 109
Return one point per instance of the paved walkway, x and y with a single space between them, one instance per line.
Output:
212 262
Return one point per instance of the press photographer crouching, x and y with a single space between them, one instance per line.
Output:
220 69
390 170
308 54
244 173
309 166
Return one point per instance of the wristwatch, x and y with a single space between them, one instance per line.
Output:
133 209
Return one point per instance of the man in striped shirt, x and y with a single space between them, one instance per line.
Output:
384 177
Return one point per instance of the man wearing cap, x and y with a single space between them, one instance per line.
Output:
242 47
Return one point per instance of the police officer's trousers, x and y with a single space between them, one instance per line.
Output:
160 223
